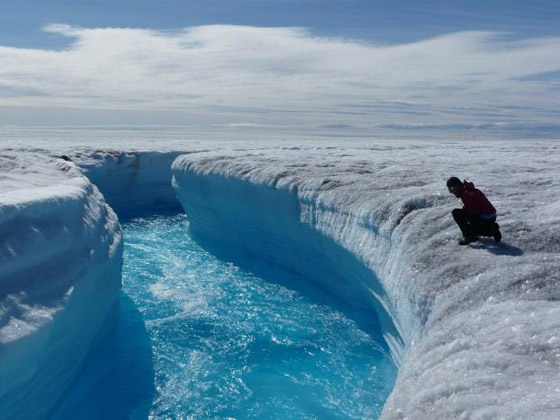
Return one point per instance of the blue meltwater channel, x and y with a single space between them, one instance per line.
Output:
201 338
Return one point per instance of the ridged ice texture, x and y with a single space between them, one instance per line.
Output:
131 182
480 324
60 268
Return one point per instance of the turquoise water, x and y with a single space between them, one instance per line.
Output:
200 338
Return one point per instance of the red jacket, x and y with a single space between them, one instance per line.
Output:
474 201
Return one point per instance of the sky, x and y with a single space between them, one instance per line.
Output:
346 67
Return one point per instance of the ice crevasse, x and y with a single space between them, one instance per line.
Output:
475 333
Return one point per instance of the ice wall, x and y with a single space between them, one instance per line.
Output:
132 182
60 274
264 222
479 325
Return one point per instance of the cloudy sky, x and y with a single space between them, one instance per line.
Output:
345 66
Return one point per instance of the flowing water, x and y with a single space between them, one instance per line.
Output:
201 338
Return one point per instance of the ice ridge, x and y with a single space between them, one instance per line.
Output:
60 273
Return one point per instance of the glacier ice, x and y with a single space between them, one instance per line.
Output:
60 270
479 325
476 331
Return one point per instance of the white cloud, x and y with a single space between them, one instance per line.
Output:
267 72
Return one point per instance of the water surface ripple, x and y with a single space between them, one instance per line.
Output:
227 344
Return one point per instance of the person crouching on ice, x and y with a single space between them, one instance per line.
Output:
478 215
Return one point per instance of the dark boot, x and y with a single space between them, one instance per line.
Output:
496 233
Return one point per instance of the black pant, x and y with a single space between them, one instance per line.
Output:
473 224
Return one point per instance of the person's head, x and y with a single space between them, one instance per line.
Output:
455 186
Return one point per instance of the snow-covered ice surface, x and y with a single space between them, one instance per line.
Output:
476 330
60 268
481 325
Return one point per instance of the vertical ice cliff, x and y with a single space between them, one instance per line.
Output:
255 219
131 182
60 274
